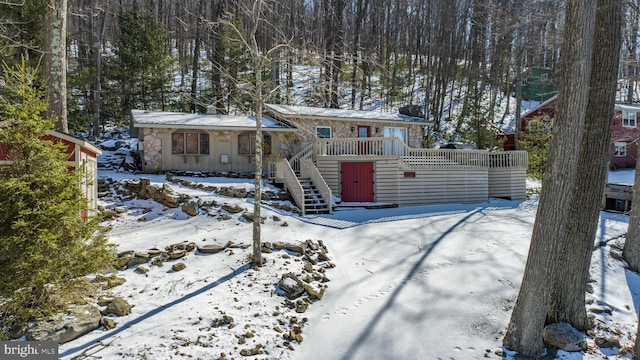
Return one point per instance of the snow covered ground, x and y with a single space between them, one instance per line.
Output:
423 282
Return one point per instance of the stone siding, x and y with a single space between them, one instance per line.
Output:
306 132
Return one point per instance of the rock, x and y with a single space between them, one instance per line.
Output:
233 209
104 300
278 245
302 307
411 110
252 352
607 342
276 218
120 210
564 337
291 286
115 281
210 249
119 307
284 224
191 208
177 254
249 216
313 293
178 267
142 270
75 322
137 259
297 248
108 323
17 331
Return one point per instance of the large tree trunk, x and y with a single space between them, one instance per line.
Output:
56 61
524 332
567 297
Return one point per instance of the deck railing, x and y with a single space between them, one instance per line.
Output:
419 158
508 159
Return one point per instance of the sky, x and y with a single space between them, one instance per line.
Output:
419 282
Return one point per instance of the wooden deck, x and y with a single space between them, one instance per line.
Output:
409 176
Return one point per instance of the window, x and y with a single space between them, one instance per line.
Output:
620 149
392 147
628 119
247 144
544 77
323 132
189 143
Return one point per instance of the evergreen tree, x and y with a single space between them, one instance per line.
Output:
142 64
45 243
536 141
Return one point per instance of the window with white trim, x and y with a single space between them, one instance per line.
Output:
189 143
629 119
323 132
620 149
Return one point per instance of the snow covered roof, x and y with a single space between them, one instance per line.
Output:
162 119
307 112
628 107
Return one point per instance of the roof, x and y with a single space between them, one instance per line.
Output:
306 112
162 119
542 105
73 139
628 107
83 143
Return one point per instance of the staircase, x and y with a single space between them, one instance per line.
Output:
314 202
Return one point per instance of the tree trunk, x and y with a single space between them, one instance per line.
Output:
570 285
524 332
258 65
56 61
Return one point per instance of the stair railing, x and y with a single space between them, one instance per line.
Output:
291 183
302 154
309 170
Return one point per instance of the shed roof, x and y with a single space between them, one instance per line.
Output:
163 119
307 112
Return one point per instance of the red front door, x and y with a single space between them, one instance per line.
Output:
357 181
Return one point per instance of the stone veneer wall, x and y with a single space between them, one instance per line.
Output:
342 129
152 140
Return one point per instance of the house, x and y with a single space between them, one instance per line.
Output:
206 142
82 155
539 84
624 148
624 141
358 156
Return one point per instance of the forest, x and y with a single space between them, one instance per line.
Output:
187 55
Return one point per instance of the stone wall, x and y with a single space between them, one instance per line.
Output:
152 140
306 132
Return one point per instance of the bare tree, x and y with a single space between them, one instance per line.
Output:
55 46
524 332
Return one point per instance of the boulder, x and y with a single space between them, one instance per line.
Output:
411 110
564 337
210 248
119 307
191 207
78 320
233 209
178 266
291 286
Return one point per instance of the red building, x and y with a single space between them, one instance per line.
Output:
82 155
624 138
